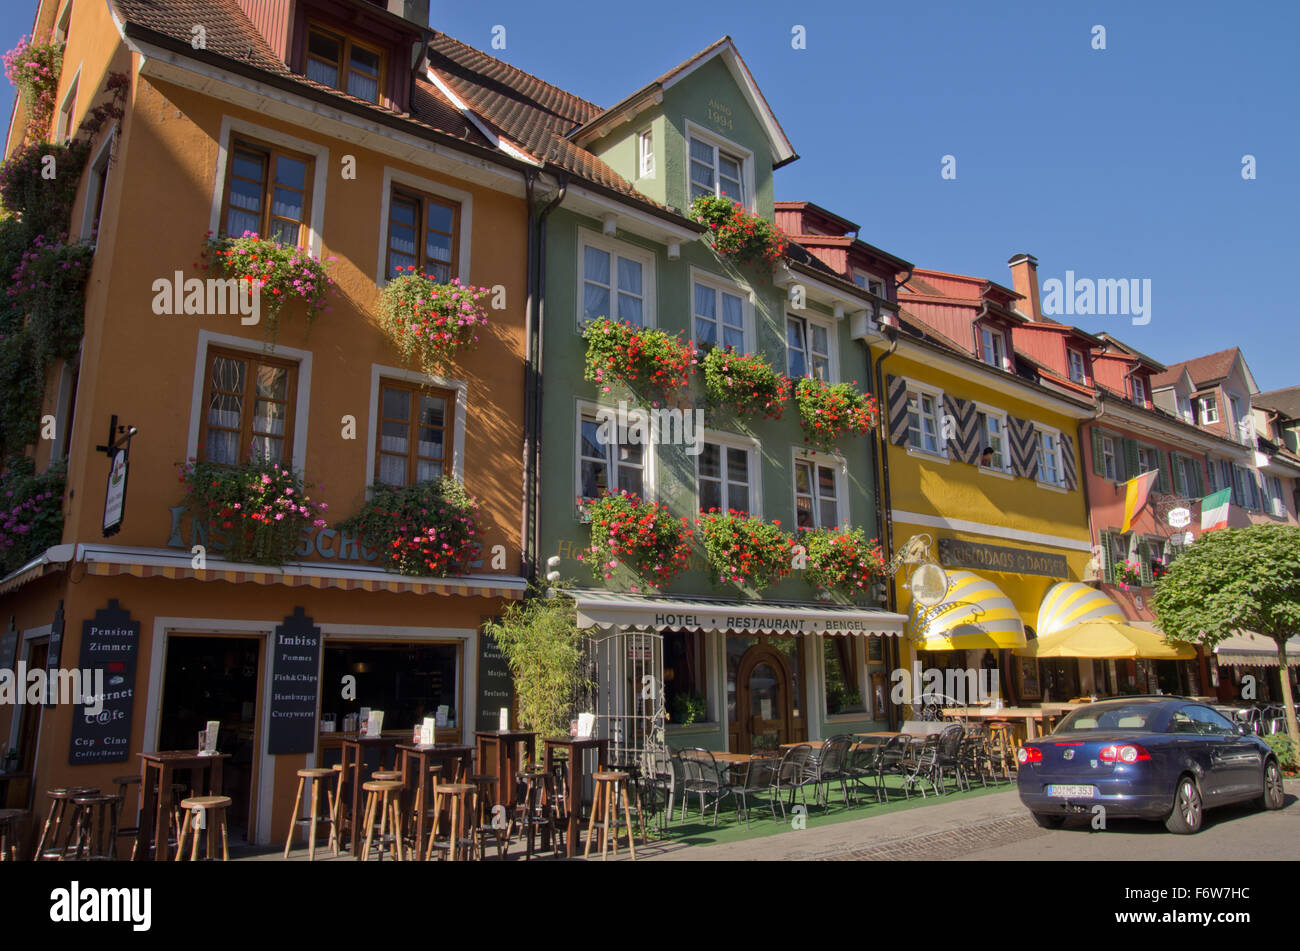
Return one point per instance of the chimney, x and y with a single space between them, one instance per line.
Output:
1024 281
417 11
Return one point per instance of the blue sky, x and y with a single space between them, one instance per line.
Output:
1116 163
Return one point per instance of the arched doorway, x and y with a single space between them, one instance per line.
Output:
764 700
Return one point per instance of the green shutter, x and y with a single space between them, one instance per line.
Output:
1166 482
1107 574
1200 481
1131 469
1098 454
1144 559
1176 475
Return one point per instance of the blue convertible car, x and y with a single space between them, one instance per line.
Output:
1164 758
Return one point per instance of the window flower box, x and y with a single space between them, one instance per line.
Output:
283 274
739 234
645 535
829 411
649 362
743 550
842 561
427 529
747 384
431 323
1127 574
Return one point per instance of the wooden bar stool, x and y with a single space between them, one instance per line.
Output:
336 810
10 820
605 803
57 821
202 811
535 808
123 783
484 814
95 827
458 798
317 778
382 797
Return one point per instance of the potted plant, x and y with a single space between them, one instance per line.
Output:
33 67
426 529
282 273
737 233
432 323
260 508
828 411
645 535
1128 574
746 383
743 550
649 362
842 561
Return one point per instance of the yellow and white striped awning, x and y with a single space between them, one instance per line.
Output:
974 614
1068 603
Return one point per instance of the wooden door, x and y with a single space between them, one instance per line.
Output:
764 700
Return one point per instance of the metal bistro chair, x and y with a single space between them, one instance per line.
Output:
701 776
831 765
760 773
976 760
893 759
949 757
924 764
798 772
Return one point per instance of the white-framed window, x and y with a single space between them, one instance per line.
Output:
869 282
717 167
993 435
1109 462
993 347
820 491
1139 391
616 281
1078 366
1049 456
67 110
923 421
1209 409
1184 405
727 474
645 151
1186 470
721 313
809 348
1242 422
1148 459
607 459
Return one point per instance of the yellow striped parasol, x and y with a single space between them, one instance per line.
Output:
1102 639
1068 603
973 614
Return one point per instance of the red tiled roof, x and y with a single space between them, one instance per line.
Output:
1212 366
1285 401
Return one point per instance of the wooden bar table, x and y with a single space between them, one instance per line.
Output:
1032 716
353 757
418 760
575 774
498 755
157 771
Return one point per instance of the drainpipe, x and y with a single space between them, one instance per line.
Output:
884 517
536 314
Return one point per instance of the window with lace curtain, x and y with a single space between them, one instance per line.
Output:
335 59
248 408
415 433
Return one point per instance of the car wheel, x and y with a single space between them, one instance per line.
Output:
1188 810
1272 797
1049 820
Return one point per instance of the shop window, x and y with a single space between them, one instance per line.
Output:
414 440
268 191
407 681
248 408
423 233
336 60
843 687
685 685
1060 679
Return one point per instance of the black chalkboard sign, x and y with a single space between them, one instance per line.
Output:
496 688
109 643
9 647
54 651
295 685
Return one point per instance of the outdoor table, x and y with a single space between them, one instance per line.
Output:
1032 716
815 744
575 774
417 762
498 755
157 771
353 755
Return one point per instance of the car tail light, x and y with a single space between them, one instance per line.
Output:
1029 754
1128 753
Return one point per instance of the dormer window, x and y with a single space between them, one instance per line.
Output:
994 347
1139 391
1078 368
869 283
337 60
1209 410
1185 408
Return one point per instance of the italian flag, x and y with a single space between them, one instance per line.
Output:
1135 496
1214 510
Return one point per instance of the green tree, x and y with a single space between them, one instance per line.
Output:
543 647
1245 579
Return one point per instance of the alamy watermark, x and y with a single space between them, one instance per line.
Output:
631 425
42 686
208 297
955 686
1103 297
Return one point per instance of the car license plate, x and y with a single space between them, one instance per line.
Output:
1072 792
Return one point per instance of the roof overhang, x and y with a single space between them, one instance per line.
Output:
1164 426
862 305
625 214
612 610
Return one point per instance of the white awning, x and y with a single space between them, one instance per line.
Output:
1248 649
616 609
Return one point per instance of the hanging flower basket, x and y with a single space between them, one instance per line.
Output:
738 234
281 273
260 508
645 535
431 324
743 550
1128 574
648 362
33 67
828 411
842 561
746 383
427 529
